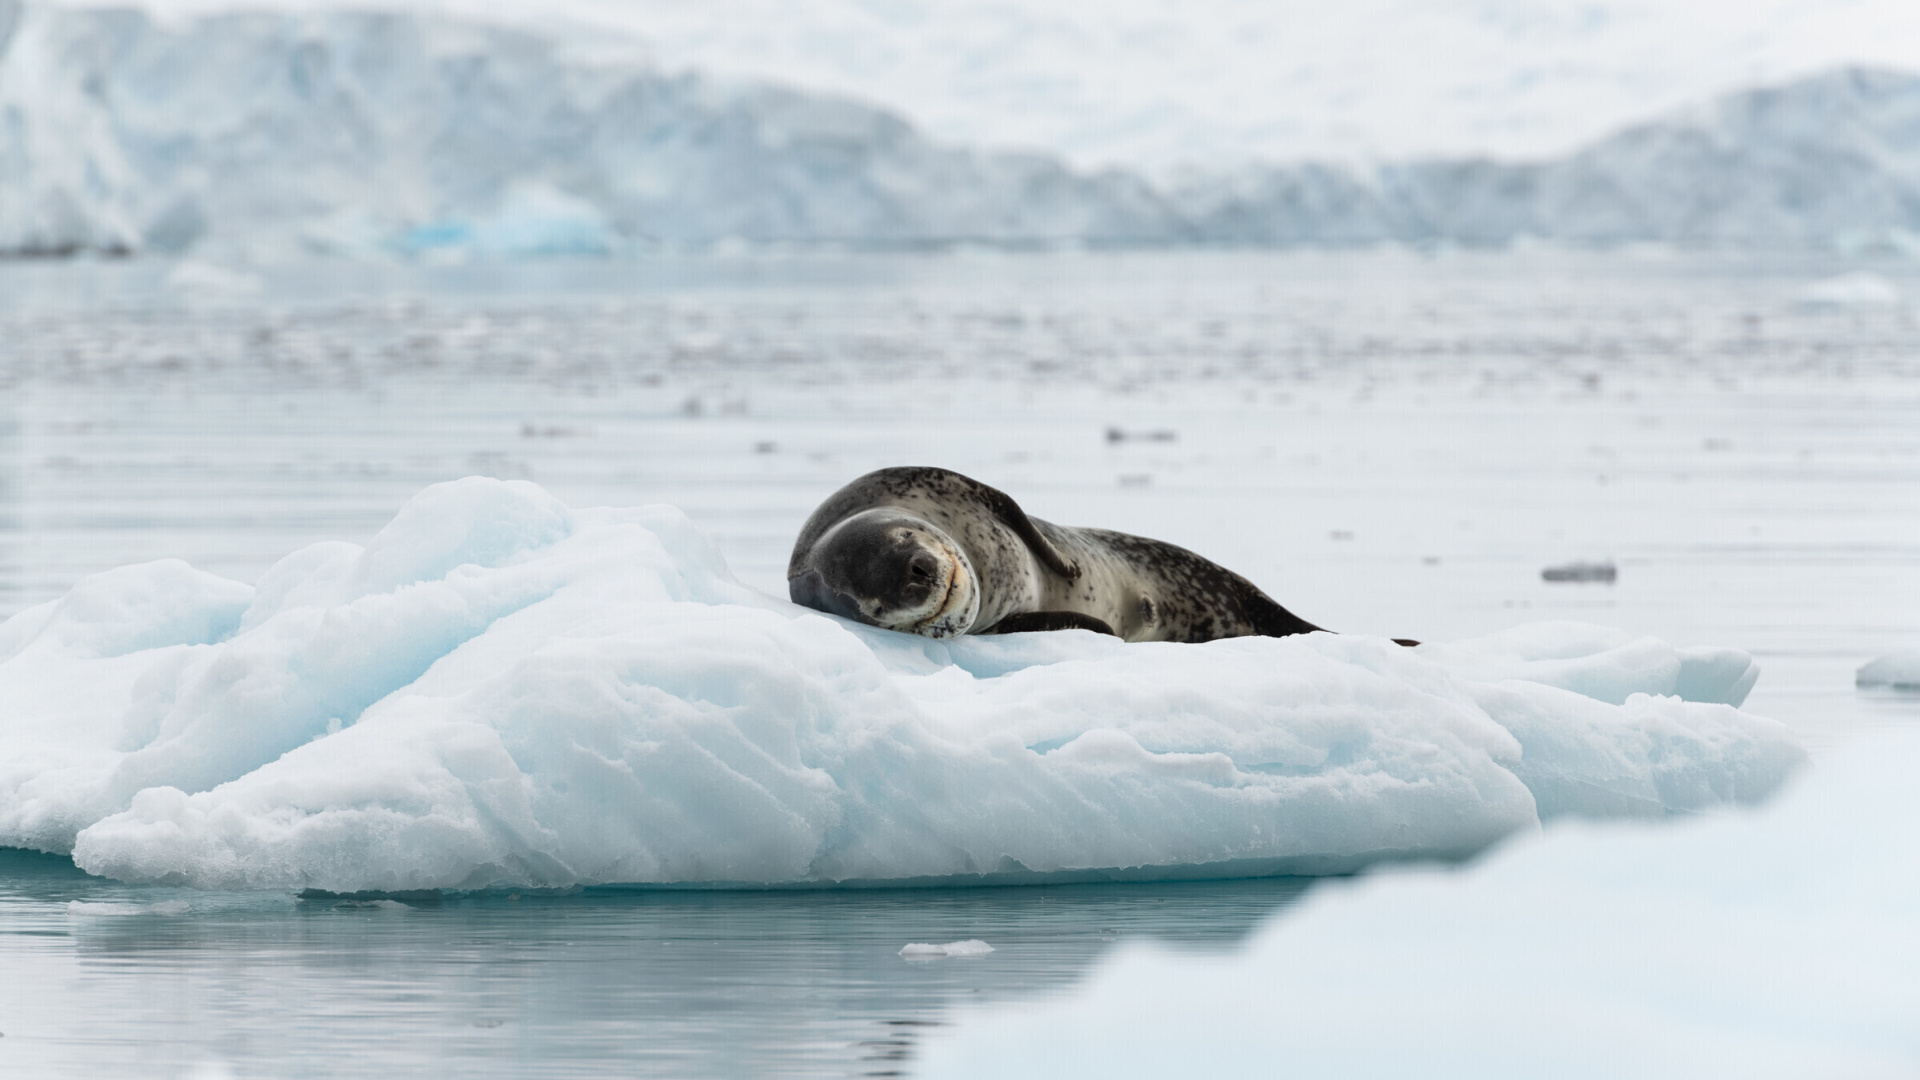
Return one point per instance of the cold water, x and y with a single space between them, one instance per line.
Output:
1387 442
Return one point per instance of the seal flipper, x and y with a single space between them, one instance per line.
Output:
1270 619
1013 517
1021 622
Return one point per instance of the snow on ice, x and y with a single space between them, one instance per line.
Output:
1778 943
500 690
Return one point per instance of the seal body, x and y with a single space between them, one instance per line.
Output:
929 551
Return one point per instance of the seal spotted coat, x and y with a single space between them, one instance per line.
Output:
929 551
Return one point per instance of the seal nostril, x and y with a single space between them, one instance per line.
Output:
922 566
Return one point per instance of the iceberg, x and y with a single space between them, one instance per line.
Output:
500 690
1773 943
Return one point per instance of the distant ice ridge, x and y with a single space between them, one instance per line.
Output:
1777 944
266 135
500 690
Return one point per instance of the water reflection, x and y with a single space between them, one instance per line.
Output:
608 981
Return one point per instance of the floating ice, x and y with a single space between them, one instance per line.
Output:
1776 944
1898 670
191 276
972 947
498 690
1861 288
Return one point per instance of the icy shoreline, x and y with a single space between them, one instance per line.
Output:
499 690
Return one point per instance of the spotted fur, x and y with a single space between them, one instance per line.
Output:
1030 574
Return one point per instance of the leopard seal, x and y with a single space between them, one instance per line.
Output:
928 551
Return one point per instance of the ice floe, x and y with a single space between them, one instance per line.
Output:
971 947
1772 944
1861 288
501 690
1898 670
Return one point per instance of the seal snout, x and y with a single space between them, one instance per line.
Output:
923 567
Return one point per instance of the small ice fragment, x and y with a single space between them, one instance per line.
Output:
1580 571
1858 289
201 277
101 907
1897 670
972 947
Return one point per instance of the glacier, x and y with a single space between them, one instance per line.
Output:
272 135
1769 943
500 690
264 136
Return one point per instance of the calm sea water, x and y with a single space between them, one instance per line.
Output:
1386 442
602 982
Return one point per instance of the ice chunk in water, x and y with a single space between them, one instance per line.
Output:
973 947
1860 288
1898 670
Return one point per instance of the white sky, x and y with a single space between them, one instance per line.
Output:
1158 82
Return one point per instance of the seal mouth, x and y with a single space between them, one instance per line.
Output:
926 626
958 603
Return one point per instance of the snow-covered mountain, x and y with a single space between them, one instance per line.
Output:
1159 84
270 134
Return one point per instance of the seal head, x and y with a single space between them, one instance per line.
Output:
888 568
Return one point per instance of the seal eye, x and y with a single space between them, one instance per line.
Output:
923 566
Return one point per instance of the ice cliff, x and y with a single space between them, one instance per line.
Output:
269 134
501 690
